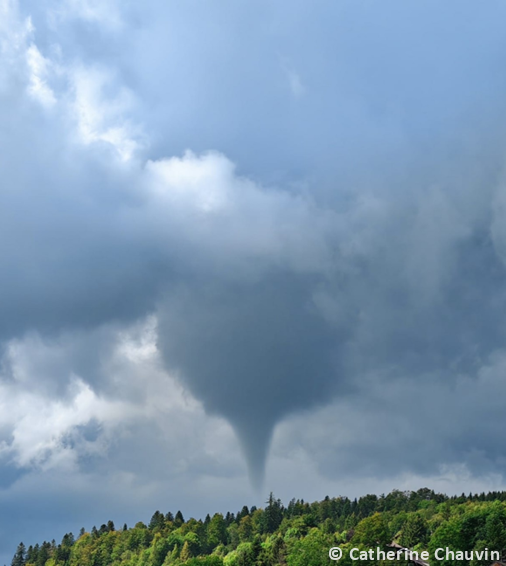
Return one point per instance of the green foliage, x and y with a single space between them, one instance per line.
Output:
245 529
246 554
372 531
211 560
415 531
19 559
186 553
273 514
216 531
311 550
297 535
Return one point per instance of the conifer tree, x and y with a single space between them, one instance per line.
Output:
245 529
174 555
185 552
157 520
273 514
242 513
19 558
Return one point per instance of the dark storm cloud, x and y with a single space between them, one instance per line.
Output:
395 426
381 251
257 350
253 352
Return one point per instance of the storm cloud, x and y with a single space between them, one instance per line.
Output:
290 219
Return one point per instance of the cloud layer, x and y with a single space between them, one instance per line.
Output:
250 216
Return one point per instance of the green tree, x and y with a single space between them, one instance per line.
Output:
414 531
43 554
242 513
193 541
312 550
19 558
216 531
495 528
233 535
211 560
446 535
159 549
274 551
157 521
173 556
273 514
372 531
185 552
246 529
246 554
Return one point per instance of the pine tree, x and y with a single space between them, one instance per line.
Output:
157 521
43 554
31 555
174 555
179 519
273 514
242 513
19 558
185 552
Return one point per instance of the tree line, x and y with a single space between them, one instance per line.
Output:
299 534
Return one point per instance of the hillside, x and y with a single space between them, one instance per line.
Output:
299 534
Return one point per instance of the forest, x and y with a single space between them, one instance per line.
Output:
298 534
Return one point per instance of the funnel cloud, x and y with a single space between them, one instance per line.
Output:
254 352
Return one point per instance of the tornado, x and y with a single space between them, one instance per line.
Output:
252 352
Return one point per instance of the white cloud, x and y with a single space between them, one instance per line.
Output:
39 70
102 118
105 13
236 219
137 399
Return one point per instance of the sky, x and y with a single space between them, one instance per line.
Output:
247 247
